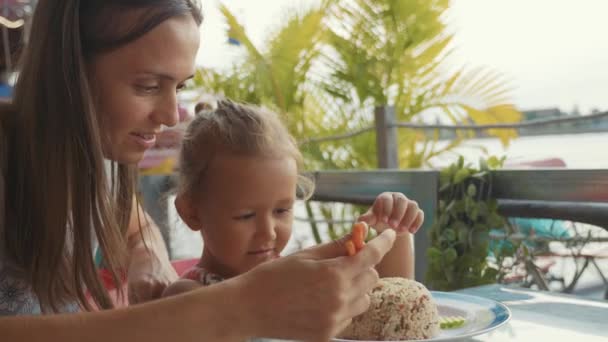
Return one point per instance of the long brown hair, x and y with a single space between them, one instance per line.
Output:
56 185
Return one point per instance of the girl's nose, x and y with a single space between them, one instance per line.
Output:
267 229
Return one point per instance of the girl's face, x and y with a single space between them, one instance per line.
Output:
135 87
245 213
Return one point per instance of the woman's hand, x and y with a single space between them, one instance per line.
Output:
150 272
394 210
310 295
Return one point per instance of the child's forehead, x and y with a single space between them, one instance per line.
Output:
234 175
226 162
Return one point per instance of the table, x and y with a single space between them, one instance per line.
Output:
545 316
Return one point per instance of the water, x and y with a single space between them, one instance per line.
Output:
578 151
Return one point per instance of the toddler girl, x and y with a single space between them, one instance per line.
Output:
239 177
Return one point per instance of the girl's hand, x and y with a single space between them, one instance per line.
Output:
394 210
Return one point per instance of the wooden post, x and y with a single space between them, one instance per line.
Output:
386 138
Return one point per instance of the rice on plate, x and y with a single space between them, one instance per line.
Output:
400 309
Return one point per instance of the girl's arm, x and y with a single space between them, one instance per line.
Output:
399 261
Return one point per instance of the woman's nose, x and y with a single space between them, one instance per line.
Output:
166 112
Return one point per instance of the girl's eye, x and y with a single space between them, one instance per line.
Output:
180 87
244 216
282 211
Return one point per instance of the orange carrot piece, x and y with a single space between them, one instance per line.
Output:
350 248
359 235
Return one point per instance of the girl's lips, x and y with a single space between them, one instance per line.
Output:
264 254
261 251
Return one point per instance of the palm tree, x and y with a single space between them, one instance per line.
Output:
275 75
396 52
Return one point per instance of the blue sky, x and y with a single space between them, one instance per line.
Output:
554 52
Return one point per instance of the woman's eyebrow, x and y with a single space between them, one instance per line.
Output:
163 75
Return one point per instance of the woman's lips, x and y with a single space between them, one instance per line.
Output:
146 136
144 140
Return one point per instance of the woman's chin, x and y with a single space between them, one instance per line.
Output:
133 158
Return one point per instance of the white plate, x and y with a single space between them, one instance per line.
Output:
482 315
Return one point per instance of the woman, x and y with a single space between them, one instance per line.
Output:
98 80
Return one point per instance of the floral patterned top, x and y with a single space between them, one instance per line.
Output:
202 276
17 296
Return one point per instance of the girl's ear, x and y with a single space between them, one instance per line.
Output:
187 211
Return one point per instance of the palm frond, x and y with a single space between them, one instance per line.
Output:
291 52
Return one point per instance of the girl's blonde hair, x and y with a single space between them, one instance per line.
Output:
238 129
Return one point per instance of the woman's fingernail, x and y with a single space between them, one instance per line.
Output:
394 224
385 219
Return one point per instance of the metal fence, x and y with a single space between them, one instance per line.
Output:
573 195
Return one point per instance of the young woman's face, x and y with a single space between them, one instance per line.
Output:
135 87
245 212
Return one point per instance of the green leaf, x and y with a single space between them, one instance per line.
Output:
463 235
450 206
461 175
483 165
480 175
525 250
449 235
433 253
495 163
460 163
474 213
450 255
441 205
490 274
472 190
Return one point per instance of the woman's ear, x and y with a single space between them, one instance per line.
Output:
187 211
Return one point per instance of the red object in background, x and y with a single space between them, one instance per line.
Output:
180 267
540 163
